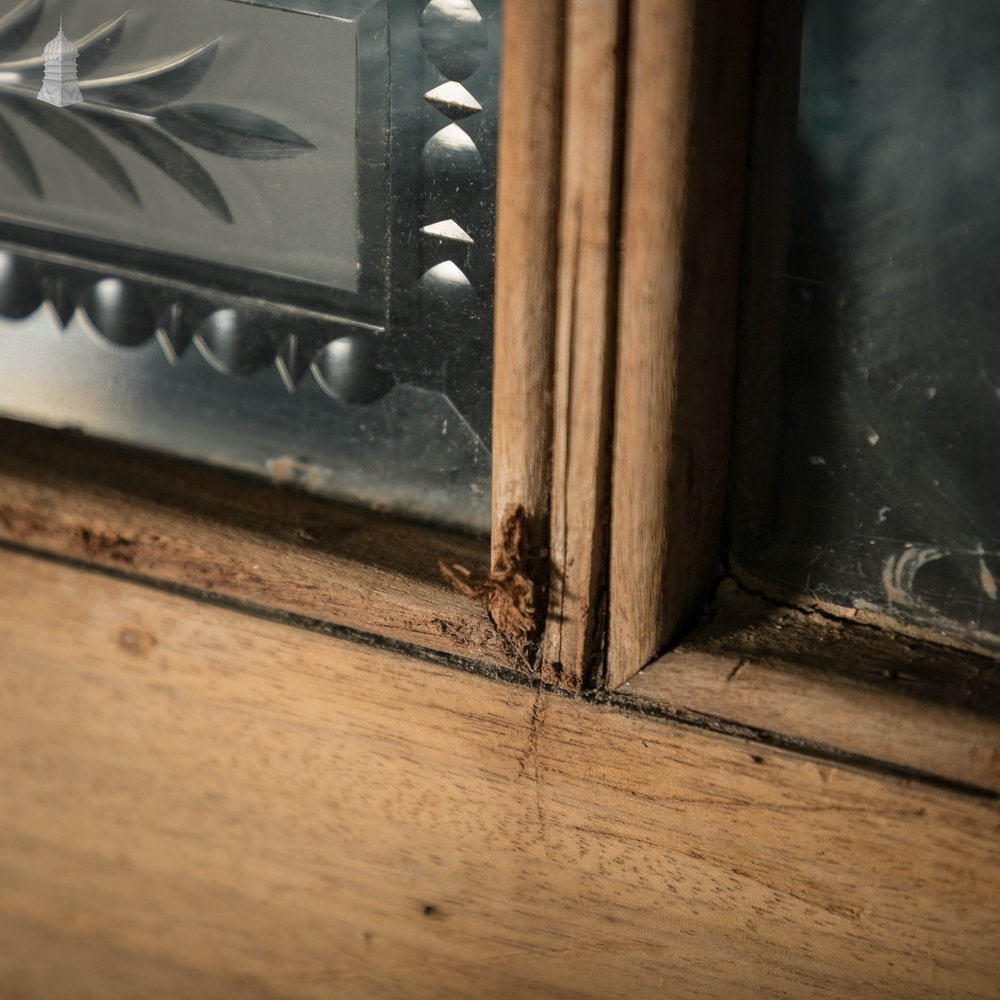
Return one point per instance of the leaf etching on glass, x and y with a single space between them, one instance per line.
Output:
135 109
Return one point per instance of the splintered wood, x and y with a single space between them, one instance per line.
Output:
509 593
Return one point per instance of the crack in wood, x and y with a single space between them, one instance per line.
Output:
528 763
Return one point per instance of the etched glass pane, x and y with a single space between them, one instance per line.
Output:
884 491
264 238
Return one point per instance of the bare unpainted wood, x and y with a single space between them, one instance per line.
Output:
527 204
199 803
687 117
858 689
172 522
587 279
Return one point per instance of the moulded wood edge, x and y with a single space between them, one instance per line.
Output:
855 689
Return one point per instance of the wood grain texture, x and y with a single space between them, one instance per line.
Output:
527 207
171 521
687 117
861 690
584 355
199 803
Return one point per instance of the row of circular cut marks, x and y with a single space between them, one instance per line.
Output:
233 340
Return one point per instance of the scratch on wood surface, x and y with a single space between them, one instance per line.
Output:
823 897
508 592
734 673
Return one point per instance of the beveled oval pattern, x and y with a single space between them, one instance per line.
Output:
453 165
20 291
347 369
119 313
448 297
233 346
453 35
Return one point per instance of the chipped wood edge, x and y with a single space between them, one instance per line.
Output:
508 593
585 322
527 203
940 631
687 121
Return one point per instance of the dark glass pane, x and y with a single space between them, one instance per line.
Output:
884 472
263 240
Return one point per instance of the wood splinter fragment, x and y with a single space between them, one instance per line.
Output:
508 592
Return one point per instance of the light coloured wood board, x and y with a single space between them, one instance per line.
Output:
687 115
168 521
584 358
199 803
858 689
527 207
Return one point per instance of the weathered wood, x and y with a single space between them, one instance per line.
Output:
199 803
687 118
861 690
527 206
584 359
172 521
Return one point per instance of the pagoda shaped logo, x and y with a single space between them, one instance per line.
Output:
60 86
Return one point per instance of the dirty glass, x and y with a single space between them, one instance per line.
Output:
881 481
260 235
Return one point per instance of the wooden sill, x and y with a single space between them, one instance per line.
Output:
198 803
173 522
842 687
